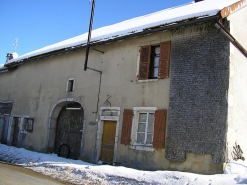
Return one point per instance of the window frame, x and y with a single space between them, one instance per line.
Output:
68 88
146 128
27 126
135 122
152 63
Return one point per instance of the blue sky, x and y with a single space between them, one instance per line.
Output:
41 23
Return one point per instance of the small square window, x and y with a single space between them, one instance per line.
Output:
29 124
70 85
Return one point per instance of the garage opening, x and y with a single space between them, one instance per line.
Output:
68 136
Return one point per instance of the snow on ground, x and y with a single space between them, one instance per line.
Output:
79 172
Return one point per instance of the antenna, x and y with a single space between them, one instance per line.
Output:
15 44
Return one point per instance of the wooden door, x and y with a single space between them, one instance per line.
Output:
16 131
5 129
108 141
1 127
69 132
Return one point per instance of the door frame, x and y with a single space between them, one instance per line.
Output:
11 129
52 123
100 131
3 127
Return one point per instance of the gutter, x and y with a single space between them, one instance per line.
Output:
144 32
225 12
6 69
228 35
3 70
233 8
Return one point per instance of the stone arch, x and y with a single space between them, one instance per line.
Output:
52 123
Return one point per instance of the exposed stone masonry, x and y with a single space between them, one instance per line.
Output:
199 82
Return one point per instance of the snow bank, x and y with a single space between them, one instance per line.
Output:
167 16
79 172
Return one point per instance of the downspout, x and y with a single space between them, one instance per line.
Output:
228 35
89 35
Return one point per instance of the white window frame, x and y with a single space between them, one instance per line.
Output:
134 129
24 124
146 127
67 87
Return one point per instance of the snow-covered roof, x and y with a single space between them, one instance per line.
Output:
198 10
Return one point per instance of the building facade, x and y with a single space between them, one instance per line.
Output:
171 99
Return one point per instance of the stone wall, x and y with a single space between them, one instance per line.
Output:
197 119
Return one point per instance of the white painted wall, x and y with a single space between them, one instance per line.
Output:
237 93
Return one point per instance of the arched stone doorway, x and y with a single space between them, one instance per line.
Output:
66 126
69 131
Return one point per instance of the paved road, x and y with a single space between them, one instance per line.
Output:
15 175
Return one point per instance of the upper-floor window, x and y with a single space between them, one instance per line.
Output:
154 61
70 85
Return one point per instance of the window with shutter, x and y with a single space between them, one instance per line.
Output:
126 127
154 61
148 128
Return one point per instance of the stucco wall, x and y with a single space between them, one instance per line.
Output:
237 114
35 87
38 86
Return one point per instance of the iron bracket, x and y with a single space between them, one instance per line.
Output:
94 70
97 50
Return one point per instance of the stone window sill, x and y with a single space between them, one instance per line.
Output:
142 147
149 80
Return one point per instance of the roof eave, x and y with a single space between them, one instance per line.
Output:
144 32
4 70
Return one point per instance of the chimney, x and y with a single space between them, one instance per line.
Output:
9 57
196 1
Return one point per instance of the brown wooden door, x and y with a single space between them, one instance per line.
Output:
108 141
16 131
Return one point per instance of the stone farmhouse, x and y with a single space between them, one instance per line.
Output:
165 91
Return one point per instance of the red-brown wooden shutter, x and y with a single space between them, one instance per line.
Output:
159 129
144 62
164 64
126 127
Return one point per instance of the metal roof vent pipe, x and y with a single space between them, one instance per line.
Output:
9 57
196 1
